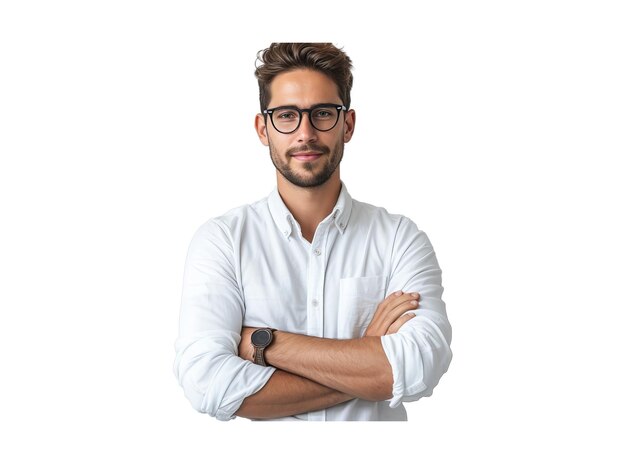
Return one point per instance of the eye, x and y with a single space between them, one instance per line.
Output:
286 115
323 113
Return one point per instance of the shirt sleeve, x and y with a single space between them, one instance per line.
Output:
419 353
214 378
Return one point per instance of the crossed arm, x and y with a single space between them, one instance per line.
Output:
308 373
317 373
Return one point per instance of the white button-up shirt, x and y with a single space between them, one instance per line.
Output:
252 267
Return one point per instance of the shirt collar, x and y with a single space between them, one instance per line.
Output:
284 220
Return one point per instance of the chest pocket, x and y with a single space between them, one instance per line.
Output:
358 299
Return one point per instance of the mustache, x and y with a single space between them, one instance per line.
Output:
316 148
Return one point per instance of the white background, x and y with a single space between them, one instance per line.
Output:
498 127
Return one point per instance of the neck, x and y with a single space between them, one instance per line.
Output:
310 205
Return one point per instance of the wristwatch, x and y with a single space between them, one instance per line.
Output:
261 339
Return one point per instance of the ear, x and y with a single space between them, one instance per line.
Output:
261 129
348 126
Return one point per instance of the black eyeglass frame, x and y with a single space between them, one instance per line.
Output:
307 110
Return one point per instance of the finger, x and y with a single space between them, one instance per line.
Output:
393 328
401 302
393 300
385 305
392 307
408 304
395 294
398 299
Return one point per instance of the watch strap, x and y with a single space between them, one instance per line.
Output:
259 356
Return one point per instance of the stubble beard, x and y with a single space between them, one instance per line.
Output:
320 177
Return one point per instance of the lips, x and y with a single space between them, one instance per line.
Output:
306 156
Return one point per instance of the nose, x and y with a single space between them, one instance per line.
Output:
306 131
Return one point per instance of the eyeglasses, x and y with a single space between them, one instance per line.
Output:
287 119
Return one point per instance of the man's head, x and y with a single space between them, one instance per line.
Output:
304 75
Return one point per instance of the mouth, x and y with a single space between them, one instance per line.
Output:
306 156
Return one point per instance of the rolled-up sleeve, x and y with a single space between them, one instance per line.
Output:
214 378
419 353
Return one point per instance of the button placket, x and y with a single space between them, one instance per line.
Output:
317 276
315 290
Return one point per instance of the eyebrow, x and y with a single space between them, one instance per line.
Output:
316 104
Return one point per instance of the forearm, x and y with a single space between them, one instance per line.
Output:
357 367
286 394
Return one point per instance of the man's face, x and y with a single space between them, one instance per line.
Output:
304 89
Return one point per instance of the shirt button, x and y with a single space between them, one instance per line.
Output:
314 302
317 252
285 232
341 225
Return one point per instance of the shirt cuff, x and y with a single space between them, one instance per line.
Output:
257 377
408 377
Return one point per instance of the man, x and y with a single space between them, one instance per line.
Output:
309 304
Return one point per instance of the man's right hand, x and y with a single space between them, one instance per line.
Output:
390 315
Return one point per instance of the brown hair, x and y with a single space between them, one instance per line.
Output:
322 57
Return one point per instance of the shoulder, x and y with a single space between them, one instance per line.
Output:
399 229
381 216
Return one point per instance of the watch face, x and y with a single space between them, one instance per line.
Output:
261 337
